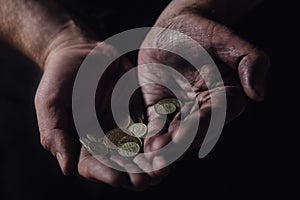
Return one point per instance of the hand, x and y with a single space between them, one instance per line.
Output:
242 66
53 107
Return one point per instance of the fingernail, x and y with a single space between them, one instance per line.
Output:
59 158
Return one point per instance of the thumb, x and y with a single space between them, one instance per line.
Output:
252 64
54 135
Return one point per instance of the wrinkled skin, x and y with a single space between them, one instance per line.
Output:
242 66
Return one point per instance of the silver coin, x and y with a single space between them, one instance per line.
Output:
129 138
125 122
165 108
138 129
129 149
176 102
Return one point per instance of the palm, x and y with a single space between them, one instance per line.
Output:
54 111
152 93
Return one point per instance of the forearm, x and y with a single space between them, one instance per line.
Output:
223 11
31 25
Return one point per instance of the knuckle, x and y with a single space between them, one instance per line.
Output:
140 182
112 178
261 58
83 171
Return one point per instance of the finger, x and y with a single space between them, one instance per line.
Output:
253 70
146 164
236 103
152 145
54 135
139 181
251 63
162 164
97 168
155 139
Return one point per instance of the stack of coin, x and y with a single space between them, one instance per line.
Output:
127 143
129 149
128 139
114 138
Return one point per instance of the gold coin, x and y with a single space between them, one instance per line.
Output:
125 122
167 106
138 129
176 102
129 138
129 149
112 137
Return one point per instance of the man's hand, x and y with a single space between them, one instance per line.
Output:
51 37
53 107
243 68
48 35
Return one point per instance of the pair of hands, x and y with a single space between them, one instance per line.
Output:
243 68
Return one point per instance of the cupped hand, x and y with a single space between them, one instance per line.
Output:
53 103
242 66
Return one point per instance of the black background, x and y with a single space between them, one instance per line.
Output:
254 159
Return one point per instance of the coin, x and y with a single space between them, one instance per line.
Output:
138 129
129 149
125 122
129 138
176 102
167 106
114 136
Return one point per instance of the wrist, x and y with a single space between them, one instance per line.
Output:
68 35
36 27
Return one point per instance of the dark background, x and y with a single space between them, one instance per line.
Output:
254 159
